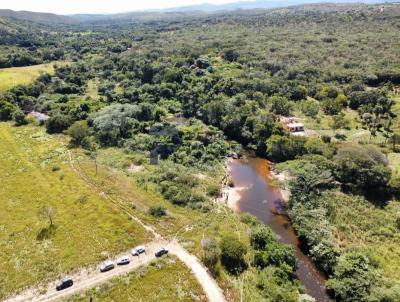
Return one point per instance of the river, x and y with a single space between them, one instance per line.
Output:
259 196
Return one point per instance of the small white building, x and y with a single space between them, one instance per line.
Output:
295 127
40 117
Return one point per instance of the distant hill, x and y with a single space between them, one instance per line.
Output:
185 11
44 18
176 12
208 7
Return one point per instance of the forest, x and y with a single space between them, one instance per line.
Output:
189 91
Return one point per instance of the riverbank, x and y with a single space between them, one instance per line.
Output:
231 194
252 185
283 179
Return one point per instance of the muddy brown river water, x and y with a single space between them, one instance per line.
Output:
263 199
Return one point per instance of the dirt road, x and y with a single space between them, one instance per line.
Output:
88 278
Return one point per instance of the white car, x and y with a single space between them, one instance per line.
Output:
123 260
138 250
106 266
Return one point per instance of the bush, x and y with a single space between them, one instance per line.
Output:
6 110
364 167
157 211
19 117
211 256
232 253
352 279
231 55
310 108
79 131
57 123
261 236
280 105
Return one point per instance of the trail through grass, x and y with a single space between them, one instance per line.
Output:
35 173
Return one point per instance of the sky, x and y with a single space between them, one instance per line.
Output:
97 6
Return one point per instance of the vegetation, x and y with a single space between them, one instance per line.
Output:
38 205
162 280
10 77
163 102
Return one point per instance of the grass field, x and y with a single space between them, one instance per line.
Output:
163 280
35 173
373 229
92 89
10 77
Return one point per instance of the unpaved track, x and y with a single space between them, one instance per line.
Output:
88 278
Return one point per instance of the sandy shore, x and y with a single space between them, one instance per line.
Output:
231 195
283 178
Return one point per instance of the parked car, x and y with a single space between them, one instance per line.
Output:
64 283
161 252
123 260
106 266
138 250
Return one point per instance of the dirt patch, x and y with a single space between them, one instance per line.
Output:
135 168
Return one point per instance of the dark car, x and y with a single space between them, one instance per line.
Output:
161 252
64 283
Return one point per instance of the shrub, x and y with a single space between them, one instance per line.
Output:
157 211
211 256
6 110
364 167
78 131
231 55
280 105
19 117
261 236
352 279
57 123
232 253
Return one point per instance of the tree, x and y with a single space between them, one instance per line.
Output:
387 130
57 123
339 121
310 182
395 140
332 107
6 110
372 122
232 253
93 155
280 105
310 108
211 254
231 55
352 280
299 93
47 213
363 167
261 236
79 131
19 117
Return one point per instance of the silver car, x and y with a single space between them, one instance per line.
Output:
106 266
138 250
123 260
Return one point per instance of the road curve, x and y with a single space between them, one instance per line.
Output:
88 278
